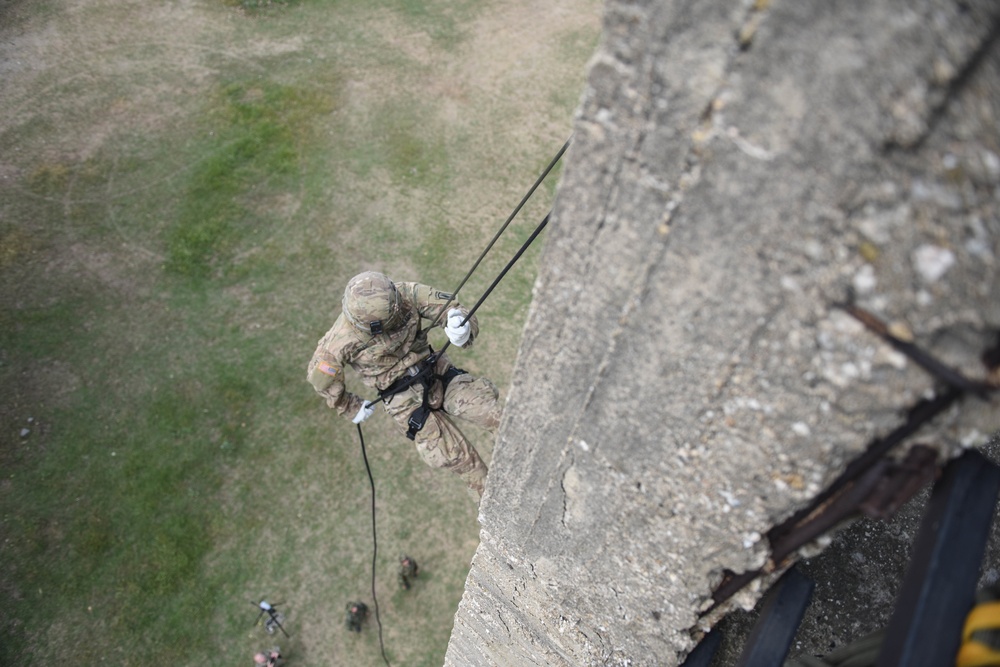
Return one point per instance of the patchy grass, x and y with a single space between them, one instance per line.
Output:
443 21
259 132
179 211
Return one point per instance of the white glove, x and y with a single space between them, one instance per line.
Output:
457 334
366 411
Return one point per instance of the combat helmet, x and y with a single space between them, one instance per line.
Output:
371 303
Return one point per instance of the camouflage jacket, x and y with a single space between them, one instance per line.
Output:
356 613
408 567
378 360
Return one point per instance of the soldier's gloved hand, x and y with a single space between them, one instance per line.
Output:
457 333
366 411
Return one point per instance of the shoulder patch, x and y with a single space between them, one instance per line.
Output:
445 296
324 367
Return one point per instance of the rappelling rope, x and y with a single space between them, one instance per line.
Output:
371 480
502 229
517 256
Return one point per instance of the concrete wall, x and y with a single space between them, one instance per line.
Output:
684 381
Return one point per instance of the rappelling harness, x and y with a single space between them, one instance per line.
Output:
421 373
424 372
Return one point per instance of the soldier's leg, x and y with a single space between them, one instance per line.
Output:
474 399
442 445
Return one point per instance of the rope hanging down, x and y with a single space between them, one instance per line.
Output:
371 480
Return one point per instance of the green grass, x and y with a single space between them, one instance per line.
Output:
442 21
260 130
178 216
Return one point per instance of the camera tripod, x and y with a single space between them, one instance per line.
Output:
272 613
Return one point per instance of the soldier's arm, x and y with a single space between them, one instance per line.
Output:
326 375
430 301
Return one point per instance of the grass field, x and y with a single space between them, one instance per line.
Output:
185 188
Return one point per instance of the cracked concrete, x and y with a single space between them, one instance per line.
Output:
686 380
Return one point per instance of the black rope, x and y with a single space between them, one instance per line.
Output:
371 481
510 264
517 256
502 229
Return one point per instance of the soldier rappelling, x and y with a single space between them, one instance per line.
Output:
381 333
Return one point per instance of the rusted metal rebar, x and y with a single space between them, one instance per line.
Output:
872 484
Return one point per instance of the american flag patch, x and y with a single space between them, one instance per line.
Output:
324 367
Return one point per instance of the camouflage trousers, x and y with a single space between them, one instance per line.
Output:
440 442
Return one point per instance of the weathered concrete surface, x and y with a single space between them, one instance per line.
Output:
684 381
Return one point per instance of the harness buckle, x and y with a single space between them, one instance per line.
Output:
417 421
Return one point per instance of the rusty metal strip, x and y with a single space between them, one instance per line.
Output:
903 481
878 493
870 484
841 507
924 359
920 414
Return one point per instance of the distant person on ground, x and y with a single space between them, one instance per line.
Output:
357 612
408 570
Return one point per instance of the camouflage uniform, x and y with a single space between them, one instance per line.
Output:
381 359
408 569
356 614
